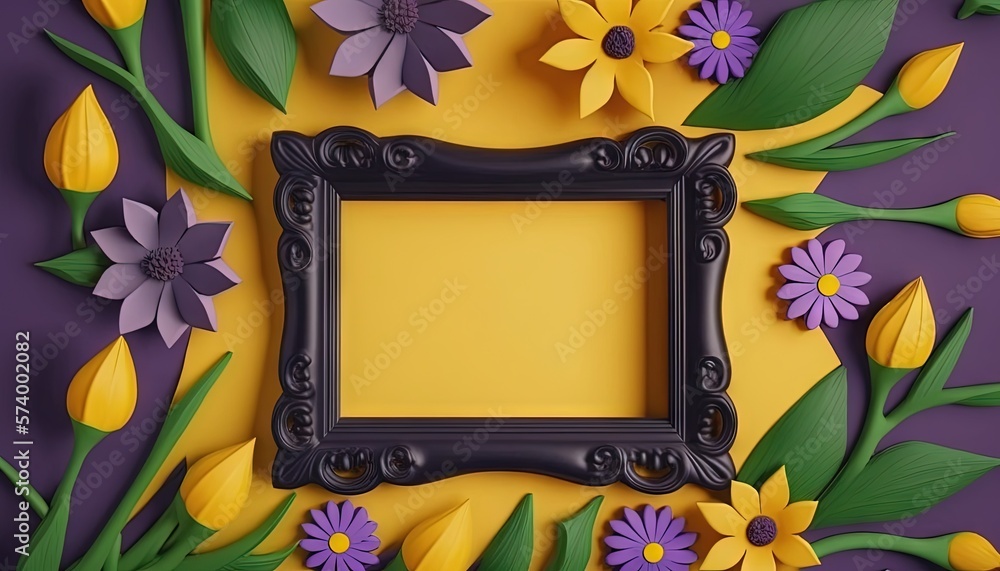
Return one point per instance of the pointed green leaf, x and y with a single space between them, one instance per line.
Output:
933 376
264 562
903 481
849 157
812 60
397 563
810 441
576 539
81 267
804 211
986 7
513 545
979 395
220 558
34 499
257 41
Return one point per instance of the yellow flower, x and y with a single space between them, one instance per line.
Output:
760 527
616 41
978 216
217 487
116 14
440 544
972 552
902 334
924 77
102 394
81 152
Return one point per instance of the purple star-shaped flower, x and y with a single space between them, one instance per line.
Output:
401 44
166 268
341 539
723 40
650 542
823 284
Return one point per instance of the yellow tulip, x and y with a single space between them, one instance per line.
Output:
440 544
217 487
978 216
102 394
902 334
924 77
972 552
81 152
116 14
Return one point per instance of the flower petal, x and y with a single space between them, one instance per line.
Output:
845 309
142 223
347 16
635 85
699 56
648 14
694 32
649 522
725 554
633 519
802 259
318 559
637 564
418 75
119 281
736 67
816 255
698 19
658 47
708 69
176 216
723 518
815 316
739 20
322 521
139 308
797 274
774 494
118 245
853 295
370 544
800 306
795 551
745 499
623 529
710 13
572 54
583 19
169 322
759 559
855 279
833 252
735 9
722 69
210 278
363 556
624 556
681 541
196 310
358 54
459 16
797 517
722 8
346 514
597 86
682 556
847 264
444 50
314 545
360 519
616 12
333 514
663 521
205 241
620 542
792 290
386 80
830 313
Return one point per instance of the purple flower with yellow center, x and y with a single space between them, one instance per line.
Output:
340 539
651 542
823 283
166 269
401 44
723 40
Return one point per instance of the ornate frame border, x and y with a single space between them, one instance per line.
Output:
354 455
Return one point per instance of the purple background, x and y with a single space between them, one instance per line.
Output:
34 226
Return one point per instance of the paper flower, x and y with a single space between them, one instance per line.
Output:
167 268
823 284
653 542
216 488
901 336
401 44
723 40
116 14
340 538
972 552
443 543
978 216
616 41
102 394
923 79
752 530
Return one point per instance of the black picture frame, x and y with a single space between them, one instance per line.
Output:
354 455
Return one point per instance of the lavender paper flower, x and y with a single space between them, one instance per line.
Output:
823 283
166 268
341 539
401 44
723 40
652 542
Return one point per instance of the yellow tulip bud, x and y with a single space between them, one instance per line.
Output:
81 153
924 77
972 552
217 487
978 216
441 544
902 334
102 394
116 14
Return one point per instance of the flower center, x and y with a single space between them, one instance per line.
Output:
163 264
652 553
828 285
721 39
619 43
339 542
762 531
398 16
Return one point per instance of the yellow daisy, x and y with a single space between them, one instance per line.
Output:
616 40
760 527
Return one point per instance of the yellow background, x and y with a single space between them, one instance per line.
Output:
507 99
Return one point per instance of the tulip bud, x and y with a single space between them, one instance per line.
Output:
902 334
217 487
924 77
972 552
116 14
102 394
978 216
440 544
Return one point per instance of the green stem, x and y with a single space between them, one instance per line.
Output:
193 15
189 535
152 541
34 499
79 203
129 42
934 549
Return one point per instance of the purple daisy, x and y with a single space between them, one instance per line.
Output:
652 542
341 539
723 40
401 44
166 267
823 283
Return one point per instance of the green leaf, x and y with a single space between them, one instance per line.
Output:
986 7
933 376
397 563
34 499
849 157
810 441
990 399
903 481
220 558
514 544
264 562
804 211
257 41
576 538
811 61
81 267
185 154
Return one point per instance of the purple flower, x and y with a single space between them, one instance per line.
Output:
652 542
341 539
823 284
723 44
401 44
166 268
